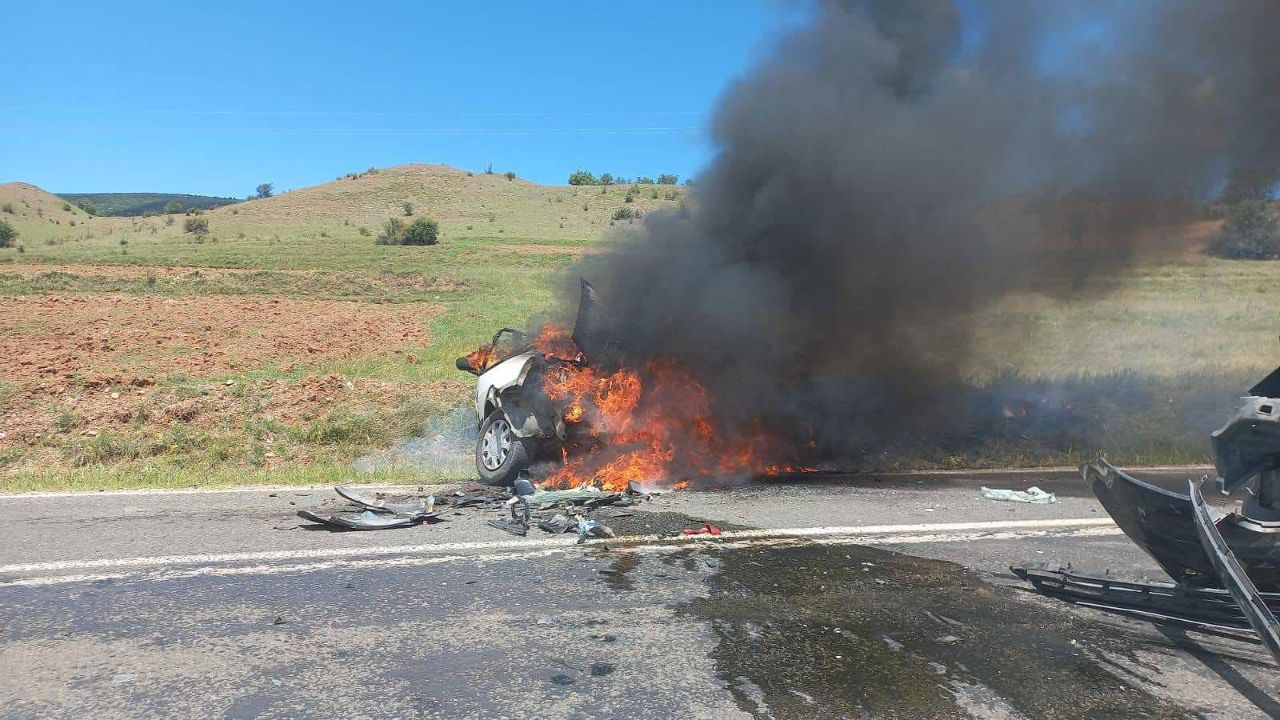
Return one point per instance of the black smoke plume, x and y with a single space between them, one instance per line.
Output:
895 166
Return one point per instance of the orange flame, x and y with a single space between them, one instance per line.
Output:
483 358
651 424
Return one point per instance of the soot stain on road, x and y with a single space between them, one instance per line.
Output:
809 630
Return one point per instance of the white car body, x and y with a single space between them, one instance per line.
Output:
506 374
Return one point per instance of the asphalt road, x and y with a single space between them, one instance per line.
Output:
825 597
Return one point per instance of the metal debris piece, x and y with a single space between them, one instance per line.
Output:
592 528
1210 608
408 506
558 524
1233 576
367 519
1032 495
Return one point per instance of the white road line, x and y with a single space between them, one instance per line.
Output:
294 561
562 541
419 560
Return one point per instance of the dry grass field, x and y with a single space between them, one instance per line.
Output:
284 343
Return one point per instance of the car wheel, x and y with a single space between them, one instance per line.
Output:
500 454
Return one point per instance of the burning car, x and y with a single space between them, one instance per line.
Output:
587 411
521 414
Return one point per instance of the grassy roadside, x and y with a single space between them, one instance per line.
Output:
1142 367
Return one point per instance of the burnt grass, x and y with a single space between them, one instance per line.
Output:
1016 421
858 632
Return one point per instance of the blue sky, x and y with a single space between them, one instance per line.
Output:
214 98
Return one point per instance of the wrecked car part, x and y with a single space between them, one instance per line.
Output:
1032 495
367 519
594 324
1233 576
501 454
1162 523
1201 607
1226 565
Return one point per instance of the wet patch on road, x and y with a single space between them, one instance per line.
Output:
822 631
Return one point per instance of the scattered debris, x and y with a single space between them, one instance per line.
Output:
706 529
522 506
1032 495
121 678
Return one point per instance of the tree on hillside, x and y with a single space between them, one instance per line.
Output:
1251 232
667 179
1248 184
510 176
88 206
606 179
421 232
172 207
7 234
391 232
264 191
583 177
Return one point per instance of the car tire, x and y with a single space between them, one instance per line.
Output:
500 455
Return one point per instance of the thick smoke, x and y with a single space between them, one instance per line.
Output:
895 166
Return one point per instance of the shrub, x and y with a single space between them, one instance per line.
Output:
510 175
606 179
391 232
583 177
196 225
88 206
408 208
1248 184
667 179
168 220
364 231
7 207
66 207
1251 232
421 232
644 180
625 213
8 236
171 207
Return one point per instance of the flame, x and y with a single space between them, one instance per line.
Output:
483 358
651 424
